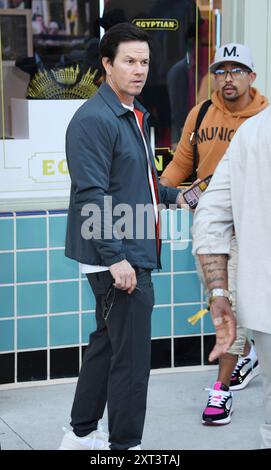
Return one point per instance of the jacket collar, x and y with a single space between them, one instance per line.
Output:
111 99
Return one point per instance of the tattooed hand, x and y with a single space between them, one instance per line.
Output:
225 326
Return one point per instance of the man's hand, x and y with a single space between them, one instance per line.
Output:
181 204
225 326
124 276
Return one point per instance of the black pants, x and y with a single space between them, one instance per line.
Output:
116 364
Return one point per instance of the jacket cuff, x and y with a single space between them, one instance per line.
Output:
172 194
114 259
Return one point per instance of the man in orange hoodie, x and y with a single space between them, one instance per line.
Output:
234 101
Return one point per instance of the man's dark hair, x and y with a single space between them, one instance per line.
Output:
121 32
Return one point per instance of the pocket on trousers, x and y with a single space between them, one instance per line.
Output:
100 282
144 293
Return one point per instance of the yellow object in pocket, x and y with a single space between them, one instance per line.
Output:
193 320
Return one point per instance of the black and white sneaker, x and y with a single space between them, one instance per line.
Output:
245 370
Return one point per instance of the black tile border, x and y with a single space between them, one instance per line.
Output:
64 362
31 366
7 368
187 351
160 353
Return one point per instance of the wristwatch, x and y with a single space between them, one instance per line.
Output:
219 292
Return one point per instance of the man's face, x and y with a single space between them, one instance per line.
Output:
128 73
233 86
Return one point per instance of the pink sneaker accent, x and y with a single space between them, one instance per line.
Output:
217 386
213 411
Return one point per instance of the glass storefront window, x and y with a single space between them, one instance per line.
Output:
184 35
50 51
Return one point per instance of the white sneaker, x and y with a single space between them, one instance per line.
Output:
246 369
96 440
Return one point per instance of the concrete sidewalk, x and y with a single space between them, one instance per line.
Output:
32 417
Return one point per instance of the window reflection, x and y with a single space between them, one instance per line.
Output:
178 76
56 55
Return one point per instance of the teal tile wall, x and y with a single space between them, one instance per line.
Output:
31 266
182 257
7 335
161 322
6 234
64 297
32 333
166 258
186 288
62 267
6 268
30 232
6 301
181 325
162 288
88 299
64 330
48 283
31 299
180 224
57 229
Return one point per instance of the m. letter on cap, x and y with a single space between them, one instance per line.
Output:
229 53
237 53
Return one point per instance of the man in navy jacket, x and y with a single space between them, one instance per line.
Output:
113 178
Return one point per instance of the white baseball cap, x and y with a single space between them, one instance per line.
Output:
233 53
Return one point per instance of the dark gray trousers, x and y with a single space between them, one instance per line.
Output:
116 363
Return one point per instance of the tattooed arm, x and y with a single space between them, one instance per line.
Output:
215 270
212 233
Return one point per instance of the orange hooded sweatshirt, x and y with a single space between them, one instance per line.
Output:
214 135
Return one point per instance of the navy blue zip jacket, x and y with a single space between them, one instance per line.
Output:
108 166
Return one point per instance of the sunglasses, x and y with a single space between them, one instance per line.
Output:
236 73
109 300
